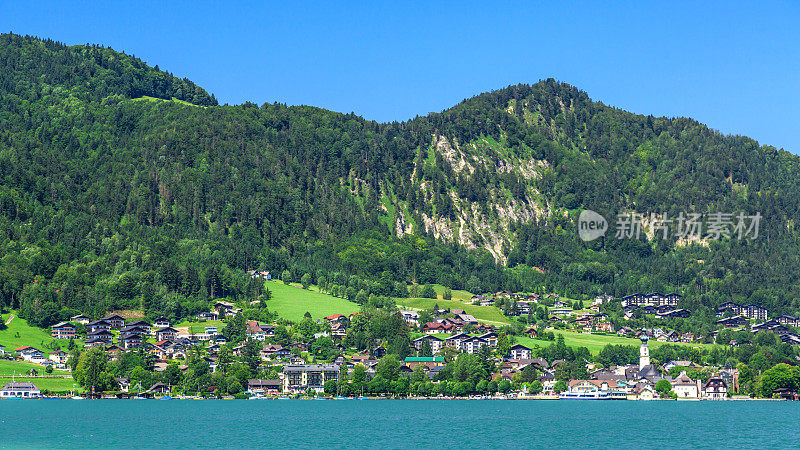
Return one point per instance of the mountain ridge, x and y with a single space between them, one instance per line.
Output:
483 195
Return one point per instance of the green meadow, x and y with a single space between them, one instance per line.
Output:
51 384
8 368
455 294
200 327
489 314
20 334
292 302
596 342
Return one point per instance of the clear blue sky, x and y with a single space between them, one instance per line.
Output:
731 65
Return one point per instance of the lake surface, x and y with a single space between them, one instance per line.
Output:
397 424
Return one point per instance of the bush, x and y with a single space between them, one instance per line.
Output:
330 387
663 387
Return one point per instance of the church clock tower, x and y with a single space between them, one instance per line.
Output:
644 352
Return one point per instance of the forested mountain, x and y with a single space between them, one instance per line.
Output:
122 186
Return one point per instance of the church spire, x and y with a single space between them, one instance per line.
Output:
644 351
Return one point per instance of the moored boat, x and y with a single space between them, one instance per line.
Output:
585 395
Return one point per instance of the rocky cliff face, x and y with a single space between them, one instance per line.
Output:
484 223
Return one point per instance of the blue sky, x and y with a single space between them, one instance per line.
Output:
731 65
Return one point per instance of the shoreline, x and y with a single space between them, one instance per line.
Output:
523 398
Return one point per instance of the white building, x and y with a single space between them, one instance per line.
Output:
411 317
644 353
715 388
20 390
685 387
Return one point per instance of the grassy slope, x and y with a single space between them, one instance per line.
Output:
456 295
488 314
174 100
595 342
8 368
51 384
292 302
200 327
28 335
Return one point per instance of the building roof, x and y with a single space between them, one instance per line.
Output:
683 380
424 359
128 336
428 336
598 383
256 383
20 385
26 347
100 333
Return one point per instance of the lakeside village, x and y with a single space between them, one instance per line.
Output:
439 353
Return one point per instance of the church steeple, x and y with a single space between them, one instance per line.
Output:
644 352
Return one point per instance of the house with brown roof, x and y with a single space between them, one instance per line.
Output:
167 333
92 342
80 318
437 327
223 308
159 388
519 351
130 340
334 318
105 336
643 391
715 388
207 315
338 331
115 320
63 330
273 351
98 325
260 388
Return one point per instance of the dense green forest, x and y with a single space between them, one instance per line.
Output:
122 186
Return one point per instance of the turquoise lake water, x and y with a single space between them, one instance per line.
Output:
396 424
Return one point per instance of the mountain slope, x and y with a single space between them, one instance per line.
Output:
113 195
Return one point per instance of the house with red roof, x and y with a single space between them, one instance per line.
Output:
437 327
336 318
